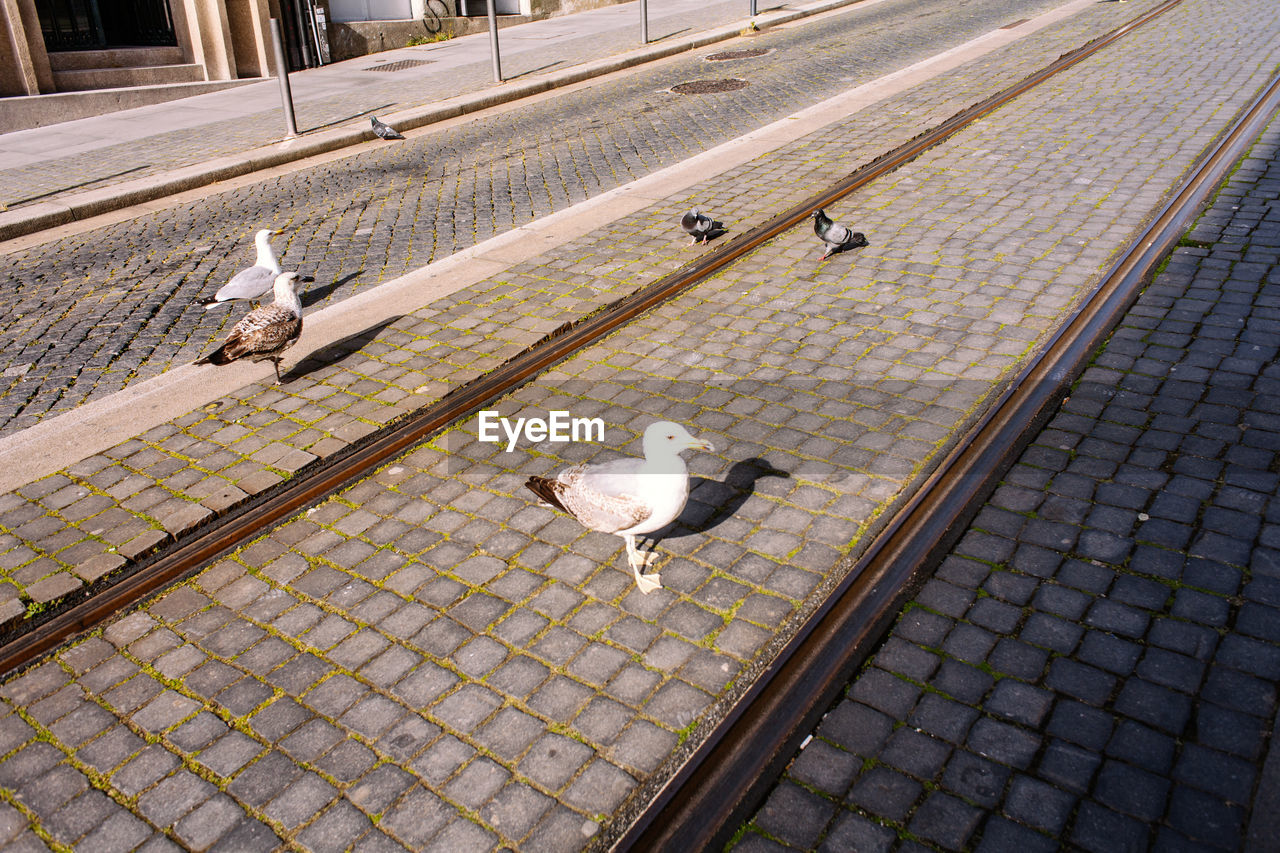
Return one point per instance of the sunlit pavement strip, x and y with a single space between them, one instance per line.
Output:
494 657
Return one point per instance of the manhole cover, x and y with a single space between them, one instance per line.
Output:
745 53
400 65
706 87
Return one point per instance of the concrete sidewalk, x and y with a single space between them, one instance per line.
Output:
66 172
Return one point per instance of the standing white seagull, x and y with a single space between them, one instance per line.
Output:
251 282
266 331
628 497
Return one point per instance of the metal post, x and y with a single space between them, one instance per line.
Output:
282 71
493 40
753 8
644 21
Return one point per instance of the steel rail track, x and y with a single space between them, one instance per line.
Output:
728 778
312 485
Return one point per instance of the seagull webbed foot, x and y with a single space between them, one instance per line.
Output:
647 583
640 561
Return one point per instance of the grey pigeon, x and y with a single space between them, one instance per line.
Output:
385 131
837 237
698 226
251 282
628 497
266 331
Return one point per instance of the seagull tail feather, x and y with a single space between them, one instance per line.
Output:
545 490
218 356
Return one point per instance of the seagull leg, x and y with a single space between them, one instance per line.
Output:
276 363
638 561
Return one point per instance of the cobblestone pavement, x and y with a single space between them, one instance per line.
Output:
1096 662
119 506
525 51
93 312
430 660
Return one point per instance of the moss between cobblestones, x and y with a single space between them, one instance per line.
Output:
33 822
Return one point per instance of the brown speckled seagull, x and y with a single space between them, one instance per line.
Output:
266 331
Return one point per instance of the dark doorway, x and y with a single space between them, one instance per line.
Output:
101 24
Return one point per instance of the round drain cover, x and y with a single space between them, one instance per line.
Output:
707 87
745 53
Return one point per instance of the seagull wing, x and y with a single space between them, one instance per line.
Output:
263 331
604 496
252 283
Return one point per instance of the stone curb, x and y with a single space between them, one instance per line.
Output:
80 206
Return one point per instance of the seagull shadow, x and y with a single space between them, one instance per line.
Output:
318 294
336 351
712 502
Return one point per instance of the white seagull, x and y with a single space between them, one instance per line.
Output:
266 331
252 282
628 497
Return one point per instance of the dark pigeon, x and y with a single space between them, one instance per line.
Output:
837 237
701 228
385 131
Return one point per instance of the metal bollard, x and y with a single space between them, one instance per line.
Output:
282 71
644 21
493 40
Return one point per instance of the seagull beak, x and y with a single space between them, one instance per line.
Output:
702 444
308 278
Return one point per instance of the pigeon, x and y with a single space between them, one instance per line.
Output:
837 237
628 497
698 226
268 330
385 131
251 282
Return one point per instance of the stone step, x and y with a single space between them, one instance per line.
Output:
117 57
86 79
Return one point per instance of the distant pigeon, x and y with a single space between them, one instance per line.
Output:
837 237
266 331
697 226
628 497
252 282
385 131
